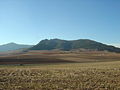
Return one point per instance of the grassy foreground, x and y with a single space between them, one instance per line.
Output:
76 76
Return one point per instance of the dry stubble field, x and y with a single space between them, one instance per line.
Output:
64 76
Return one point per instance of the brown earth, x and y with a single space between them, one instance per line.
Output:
38 57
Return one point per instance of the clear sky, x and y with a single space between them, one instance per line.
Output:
29 21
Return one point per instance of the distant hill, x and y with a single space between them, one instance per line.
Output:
73 44
13 46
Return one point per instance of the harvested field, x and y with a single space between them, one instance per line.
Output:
51 70
75 76
40 57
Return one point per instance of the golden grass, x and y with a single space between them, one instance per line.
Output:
76 76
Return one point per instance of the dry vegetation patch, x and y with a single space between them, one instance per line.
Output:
76 76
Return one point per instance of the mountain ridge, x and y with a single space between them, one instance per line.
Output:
13 46
74 44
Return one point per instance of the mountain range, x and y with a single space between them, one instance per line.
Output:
73 44
13 46
59 44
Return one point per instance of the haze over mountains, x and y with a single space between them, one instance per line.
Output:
13 46
73 44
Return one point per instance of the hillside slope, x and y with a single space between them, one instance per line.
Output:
74 44
13 46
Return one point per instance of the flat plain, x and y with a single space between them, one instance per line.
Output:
73 71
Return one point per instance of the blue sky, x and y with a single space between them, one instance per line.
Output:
29 21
